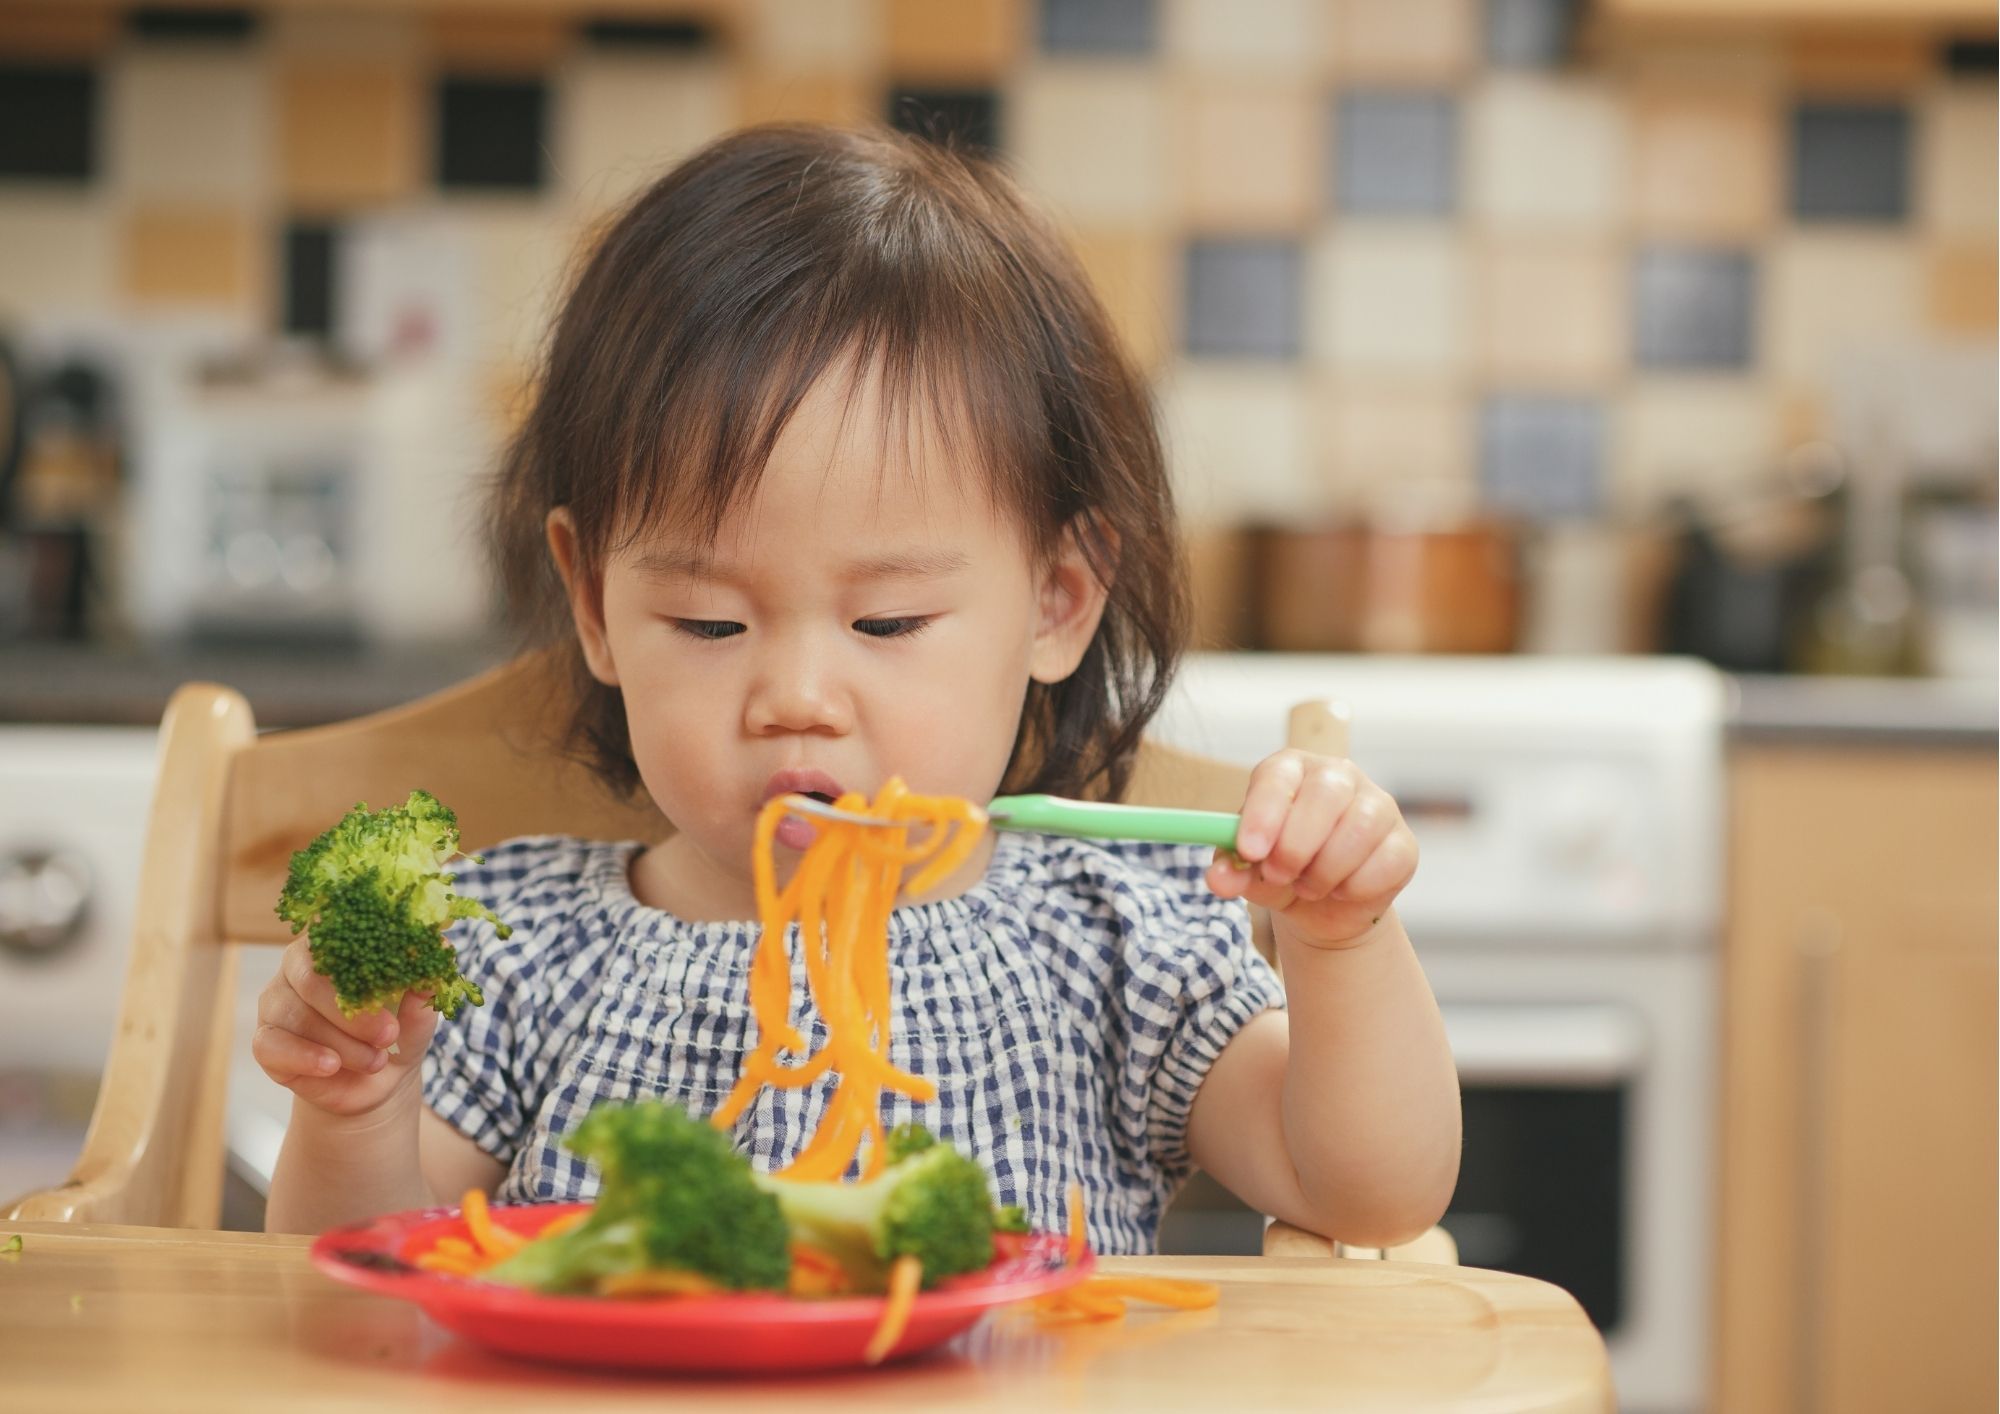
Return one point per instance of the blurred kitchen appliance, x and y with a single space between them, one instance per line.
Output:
73 804
300 499
1388 589
1571 817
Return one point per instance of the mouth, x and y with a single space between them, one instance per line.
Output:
817 784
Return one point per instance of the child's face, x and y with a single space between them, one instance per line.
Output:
852 621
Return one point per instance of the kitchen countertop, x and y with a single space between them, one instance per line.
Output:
295 687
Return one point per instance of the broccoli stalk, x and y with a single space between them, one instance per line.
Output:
675 1196
375 896
931 1202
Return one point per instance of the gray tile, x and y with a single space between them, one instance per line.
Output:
1395 154
1530 34
1692 308
1851 162
1542 457
1244 298
1098 26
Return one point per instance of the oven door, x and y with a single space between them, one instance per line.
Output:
1544 1189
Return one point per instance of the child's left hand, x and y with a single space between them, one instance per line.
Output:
1325 848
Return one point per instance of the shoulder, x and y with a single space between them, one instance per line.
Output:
542 886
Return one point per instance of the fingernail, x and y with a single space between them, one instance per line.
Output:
327 1064
385 1033
380 1059
1250 844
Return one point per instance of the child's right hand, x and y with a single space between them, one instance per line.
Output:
341 1064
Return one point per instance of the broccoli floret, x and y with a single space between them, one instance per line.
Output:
907 1139
375 896
933 1204
1011 1218
674 1195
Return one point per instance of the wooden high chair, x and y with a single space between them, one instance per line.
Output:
230 807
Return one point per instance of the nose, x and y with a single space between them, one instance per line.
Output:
795 691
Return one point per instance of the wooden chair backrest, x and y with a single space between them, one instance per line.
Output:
229 809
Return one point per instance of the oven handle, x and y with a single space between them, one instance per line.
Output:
1565 1044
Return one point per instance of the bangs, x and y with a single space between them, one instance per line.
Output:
831 272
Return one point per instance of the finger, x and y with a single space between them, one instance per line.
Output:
1387 870
286 1057
1272 786
378 1028
1366 823
1324 795
1227 877
300 1020
415 1022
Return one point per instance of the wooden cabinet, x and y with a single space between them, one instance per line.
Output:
1977 14
1857 1217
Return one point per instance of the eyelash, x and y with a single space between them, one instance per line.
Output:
707 629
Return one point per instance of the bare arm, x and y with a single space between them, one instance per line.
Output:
1341 1115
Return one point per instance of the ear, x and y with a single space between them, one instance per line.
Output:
586 596
1070 603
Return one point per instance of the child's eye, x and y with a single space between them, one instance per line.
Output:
891 628
708 628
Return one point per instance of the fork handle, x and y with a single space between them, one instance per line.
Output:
1087 819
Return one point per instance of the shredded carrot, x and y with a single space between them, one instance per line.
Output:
1079 1239
456 1247
656 1282
1157 1291
568 1222
491 1238
906 1275
815 1273
841 896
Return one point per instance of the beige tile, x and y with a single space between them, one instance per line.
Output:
1546 153
623 121
1830 295
1552 313
1962 285
838 35
1858 60
1236 442
495 40
965 41
516 266
1709 437
1747 55
1387 298
1956 160
1134 274
189 124
348 32
1249 156
58 255
350 132
1255 36
1403 40
1707 161
56 29
179 256
849 100
1091 139
1394 448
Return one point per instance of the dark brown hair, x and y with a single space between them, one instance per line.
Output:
775 255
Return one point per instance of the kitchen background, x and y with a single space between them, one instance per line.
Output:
1514 356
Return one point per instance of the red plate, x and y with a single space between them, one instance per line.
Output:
744 1333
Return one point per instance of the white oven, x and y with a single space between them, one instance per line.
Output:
1566 910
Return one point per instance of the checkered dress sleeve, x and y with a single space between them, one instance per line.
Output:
489 1069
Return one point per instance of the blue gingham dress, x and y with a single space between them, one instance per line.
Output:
1067 1008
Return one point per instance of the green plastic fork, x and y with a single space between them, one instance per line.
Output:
1080 819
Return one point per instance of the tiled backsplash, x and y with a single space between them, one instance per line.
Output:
1499 252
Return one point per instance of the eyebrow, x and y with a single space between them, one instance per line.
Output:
908 564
